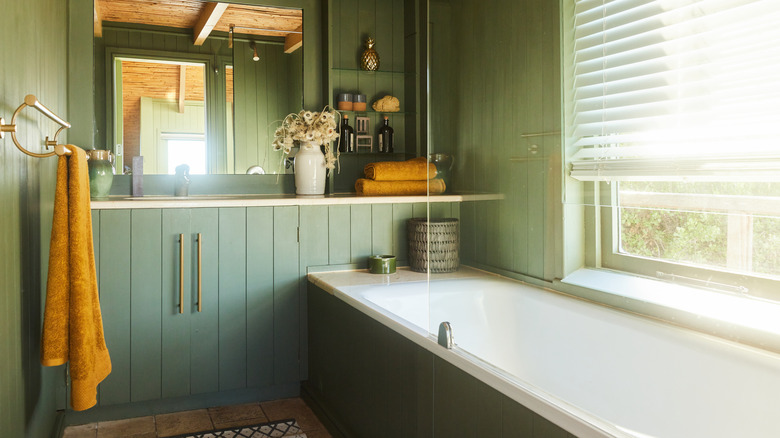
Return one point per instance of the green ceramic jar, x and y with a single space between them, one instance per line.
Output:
101 172
381 264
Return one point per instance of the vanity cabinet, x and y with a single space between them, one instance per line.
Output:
198 301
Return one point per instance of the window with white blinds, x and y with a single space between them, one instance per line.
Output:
671 90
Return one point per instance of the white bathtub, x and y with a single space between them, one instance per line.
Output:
592 370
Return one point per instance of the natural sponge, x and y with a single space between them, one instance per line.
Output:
387 104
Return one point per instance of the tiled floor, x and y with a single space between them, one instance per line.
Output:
177 423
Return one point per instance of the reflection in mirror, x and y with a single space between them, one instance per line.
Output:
163 113
270 88
205 45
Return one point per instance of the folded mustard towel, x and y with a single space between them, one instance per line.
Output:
368 187
72 324
416 169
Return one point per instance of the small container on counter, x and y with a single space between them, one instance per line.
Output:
345 102
381 264
359 103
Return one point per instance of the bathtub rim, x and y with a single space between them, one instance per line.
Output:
565 415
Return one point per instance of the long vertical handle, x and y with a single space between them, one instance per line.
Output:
200 270
181 273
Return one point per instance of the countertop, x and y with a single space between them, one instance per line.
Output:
332 281
202 201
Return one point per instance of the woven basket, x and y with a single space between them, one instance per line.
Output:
439 236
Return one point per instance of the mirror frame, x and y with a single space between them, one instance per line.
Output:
81 65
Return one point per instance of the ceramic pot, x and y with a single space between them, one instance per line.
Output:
101 172
310 170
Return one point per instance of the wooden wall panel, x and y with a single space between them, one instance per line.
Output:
509 86
263 98
352 22
35 64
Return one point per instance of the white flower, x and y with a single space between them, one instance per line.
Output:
319 128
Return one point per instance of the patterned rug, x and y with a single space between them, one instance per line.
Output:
284 428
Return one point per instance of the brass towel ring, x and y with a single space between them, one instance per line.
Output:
31 100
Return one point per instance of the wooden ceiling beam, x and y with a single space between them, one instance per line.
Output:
207 20
182 87
293 41
98 20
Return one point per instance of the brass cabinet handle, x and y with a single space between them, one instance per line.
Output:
181 273
200 276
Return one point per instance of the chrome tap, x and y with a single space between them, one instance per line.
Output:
445 335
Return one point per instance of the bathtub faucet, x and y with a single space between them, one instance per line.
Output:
445 335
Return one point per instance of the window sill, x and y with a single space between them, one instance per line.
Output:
737 318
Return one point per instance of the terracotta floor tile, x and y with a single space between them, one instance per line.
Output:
321 433
141 427
82 431
237 415
183 422
292 408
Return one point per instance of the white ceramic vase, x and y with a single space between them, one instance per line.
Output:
310 170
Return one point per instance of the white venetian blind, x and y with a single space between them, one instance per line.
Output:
673 89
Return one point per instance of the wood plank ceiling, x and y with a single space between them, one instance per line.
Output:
204 17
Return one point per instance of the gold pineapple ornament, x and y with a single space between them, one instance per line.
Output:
369 60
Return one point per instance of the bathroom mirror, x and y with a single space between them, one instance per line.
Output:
209 80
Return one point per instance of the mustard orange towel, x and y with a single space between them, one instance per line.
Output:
367 187
416 169
72 324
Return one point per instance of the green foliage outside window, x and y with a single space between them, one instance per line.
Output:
699 237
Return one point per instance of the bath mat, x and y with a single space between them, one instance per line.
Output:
284 428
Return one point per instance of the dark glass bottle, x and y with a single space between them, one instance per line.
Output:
386 137
346 136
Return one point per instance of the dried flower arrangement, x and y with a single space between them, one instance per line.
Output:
317 128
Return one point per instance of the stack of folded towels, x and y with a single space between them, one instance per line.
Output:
411 177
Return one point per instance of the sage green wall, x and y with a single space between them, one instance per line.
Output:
393 25
495 76
265 92
35 54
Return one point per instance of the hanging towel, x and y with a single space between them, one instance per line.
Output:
368 187
416 169
72 325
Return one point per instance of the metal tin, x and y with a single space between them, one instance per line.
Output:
381 264
344 102
360 102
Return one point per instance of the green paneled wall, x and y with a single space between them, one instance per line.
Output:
494 77
265 92
34 62
392 27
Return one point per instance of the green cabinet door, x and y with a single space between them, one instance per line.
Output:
190 250
203 300
176 309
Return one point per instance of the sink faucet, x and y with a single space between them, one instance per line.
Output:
181 181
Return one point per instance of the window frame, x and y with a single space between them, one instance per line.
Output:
717 279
